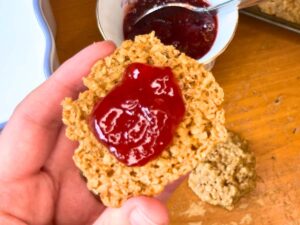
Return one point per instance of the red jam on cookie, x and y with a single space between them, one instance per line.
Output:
138 118
190 32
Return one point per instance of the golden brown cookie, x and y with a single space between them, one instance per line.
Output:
201 128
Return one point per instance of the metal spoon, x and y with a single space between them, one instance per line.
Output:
214 8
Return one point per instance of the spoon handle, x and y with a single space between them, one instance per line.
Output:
238 3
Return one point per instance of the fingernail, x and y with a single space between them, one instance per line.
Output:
137 217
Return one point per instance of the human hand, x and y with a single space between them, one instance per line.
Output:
39 183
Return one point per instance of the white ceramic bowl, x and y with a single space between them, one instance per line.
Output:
27 53
110 14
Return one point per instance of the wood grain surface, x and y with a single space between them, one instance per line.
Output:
260 74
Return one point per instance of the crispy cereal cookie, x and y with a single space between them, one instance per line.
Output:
286 9
201 128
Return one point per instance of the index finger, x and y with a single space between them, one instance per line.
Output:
31 133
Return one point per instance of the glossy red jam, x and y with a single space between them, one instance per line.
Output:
138 118
189 32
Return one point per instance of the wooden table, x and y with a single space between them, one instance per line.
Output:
260 73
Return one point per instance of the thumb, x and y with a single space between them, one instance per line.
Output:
136 211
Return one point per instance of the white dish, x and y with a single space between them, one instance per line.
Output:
27 51
110 16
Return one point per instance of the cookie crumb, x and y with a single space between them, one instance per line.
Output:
244 206
246 220
195 223
195 209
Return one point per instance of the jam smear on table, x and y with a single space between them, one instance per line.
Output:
190 32
138 118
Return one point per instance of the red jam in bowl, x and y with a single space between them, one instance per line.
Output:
190 32
138 118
